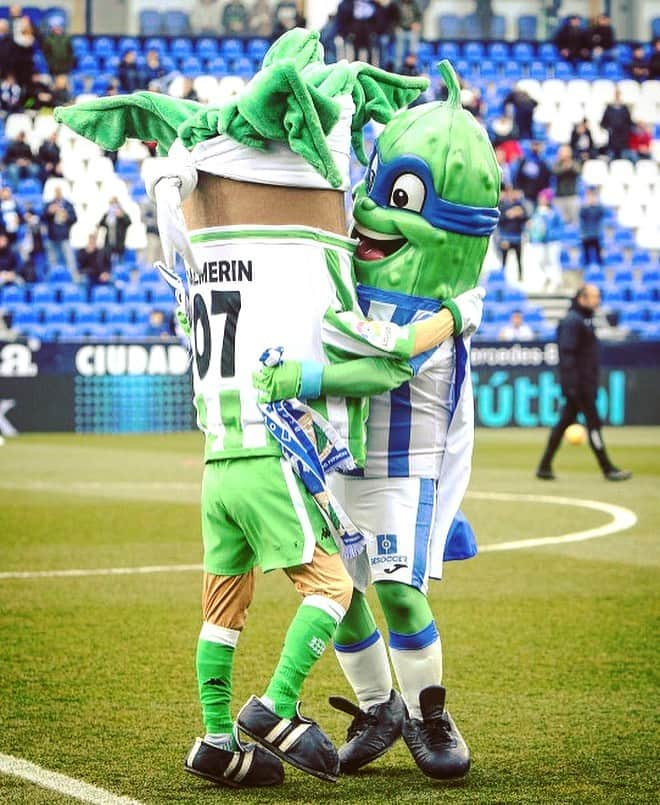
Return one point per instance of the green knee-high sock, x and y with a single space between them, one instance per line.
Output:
214 666
305 640
358 623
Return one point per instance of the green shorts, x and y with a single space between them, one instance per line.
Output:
256 511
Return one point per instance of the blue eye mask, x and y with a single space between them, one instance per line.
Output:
406 183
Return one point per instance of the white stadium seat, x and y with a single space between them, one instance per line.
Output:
648 169
136 236
17 123
594 172
648 237
553 90
630 91
206 87
578 89
622 169
612 192
532 87
602 90
630 214
51 185
133 151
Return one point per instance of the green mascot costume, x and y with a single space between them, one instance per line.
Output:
423 217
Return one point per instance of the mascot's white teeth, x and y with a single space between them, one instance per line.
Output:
375 245
363 232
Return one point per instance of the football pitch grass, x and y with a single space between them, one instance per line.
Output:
550 651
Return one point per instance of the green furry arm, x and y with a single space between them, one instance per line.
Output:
364 377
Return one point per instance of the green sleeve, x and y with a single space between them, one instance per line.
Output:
364 377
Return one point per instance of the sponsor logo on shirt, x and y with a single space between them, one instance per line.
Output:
378 334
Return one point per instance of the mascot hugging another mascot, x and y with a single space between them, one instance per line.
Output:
250 194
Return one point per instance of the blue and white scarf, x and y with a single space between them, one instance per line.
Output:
299 430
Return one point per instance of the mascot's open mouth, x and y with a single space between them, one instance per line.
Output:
375 245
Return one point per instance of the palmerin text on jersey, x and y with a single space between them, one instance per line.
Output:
223 271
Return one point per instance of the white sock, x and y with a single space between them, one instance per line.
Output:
220 739
417 661
367 669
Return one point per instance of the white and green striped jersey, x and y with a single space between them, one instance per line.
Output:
266 287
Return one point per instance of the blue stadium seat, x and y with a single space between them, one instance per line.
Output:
139 313
117 314
527 26
134 294
522 52
103 294
103 47
472 27
587 70
594 274
128 43
206 48
88 63
642 295
498 26
623 237
111 64
451 26
13 295
613 71
449 50
22 314
79 45
72 294
154 43
160 294
655 27
55 314
473 51
175 23
641 258
231 48
564 70
87 314
136 331
43 332
256 49
43 293
59 274
35 14
217 66
101 83
512 71
612 295
191 66
487 70
244 67
622 275
150 22
547 53
27 187
425 54
538 71
181 47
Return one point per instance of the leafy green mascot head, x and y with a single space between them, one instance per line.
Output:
428 204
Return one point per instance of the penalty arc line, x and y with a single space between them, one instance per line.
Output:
53 780
622 519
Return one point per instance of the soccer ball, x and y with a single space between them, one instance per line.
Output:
575 434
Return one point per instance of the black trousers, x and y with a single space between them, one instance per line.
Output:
516 248
590 245
580 403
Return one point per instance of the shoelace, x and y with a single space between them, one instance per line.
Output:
360 723
437 733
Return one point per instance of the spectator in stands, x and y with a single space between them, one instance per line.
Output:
513 217
567 171
600 38
32 246
94 263
10 268
517 329
129 74
592 216
153 251
505 167
618 124
235 18
328 35
640 141
410 66
533 173
11 214
360 28
484 12
205 18
188 90
48 156
582 141
571 40
39 93
287 16
23 54
57 50
61 93
654 60
471 100
116 223
523 111
261 19
158 326
19 160
545 229
6 48
639 68
407 30
60 217
153 69
11 95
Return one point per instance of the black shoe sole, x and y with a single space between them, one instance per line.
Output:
274 750
353 769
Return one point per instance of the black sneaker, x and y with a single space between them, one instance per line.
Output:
614 474
434 742
298 740
371 733
545 474
247 767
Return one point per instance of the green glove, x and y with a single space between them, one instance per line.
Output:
278 382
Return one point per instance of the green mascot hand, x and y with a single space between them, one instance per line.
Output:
279 382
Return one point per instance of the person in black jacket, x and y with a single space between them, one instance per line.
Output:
578 374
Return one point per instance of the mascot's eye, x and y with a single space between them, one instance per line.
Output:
371 174
408 193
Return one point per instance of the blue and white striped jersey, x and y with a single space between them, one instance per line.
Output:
407 427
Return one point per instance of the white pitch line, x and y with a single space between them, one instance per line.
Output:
622 519
68 786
